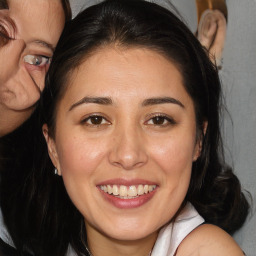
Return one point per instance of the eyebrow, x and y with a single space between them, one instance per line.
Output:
95 100
37 41
161 100
44 44
108 101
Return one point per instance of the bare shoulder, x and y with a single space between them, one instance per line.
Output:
209 240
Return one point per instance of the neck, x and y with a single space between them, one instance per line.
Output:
100 244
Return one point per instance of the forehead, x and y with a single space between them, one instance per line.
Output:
37 19
126 74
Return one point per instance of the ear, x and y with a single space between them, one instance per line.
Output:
51 149
199 143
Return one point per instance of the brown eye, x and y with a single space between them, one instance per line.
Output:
95 120
158 120
161 121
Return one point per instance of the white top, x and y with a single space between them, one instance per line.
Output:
168 240
172 234
4 235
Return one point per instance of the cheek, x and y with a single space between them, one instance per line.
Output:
79 159
174 155
78 156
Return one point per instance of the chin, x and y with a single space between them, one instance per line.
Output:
131 232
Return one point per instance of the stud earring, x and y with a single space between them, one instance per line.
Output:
55 171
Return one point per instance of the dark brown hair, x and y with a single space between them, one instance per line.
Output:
39 214
67 9
3 4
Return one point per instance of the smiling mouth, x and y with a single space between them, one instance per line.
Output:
127 192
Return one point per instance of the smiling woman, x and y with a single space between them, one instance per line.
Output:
131 169
133 161
25 54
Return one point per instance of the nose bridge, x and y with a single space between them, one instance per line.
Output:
128 150
16 48
21 43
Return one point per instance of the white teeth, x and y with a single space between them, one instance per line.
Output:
132 191
150 188
123 191
115 190
140 190
127 192
110 190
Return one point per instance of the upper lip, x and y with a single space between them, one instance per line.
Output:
126 182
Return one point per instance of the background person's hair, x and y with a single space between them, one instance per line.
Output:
3 4
39 214
67 9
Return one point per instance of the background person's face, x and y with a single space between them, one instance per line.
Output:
25 60
126 125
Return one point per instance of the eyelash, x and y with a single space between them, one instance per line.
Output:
166 120
4 36
34 59
29 59
7 30
85 121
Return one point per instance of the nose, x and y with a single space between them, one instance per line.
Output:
128 150
17 47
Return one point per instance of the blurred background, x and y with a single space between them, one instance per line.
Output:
238 75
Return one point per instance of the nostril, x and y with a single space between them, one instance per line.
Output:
128 149
128 159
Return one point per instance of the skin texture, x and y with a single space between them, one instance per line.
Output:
212 34
129 143
209 240
26 57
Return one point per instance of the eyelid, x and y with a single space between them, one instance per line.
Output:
4 36
7 28
170 119
30 59
87 117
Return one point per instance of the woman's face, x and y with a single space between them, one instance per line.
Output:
25 60
125 142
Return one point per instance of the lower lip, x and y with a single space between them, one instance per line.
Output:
128 203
